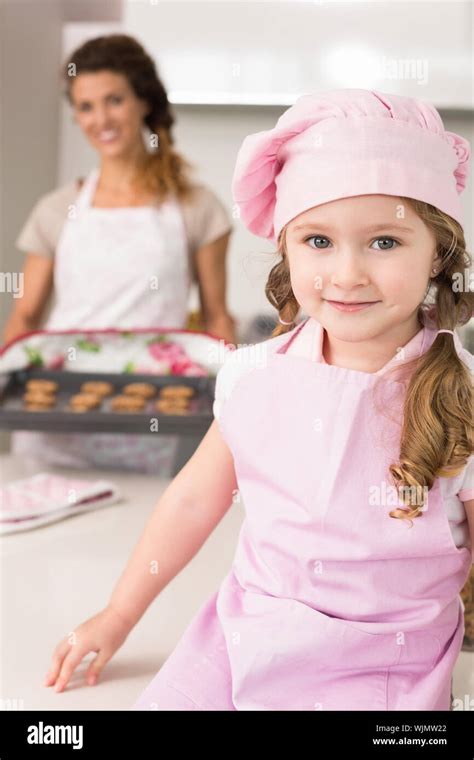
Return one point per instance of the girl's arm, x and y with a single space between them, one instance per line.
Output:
37 286
210 262
188 511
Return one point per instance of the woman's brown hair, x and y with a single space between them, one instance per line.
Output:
163 172
437 435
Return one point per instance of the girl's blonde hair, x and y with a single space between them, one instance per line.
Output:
163 172
437 435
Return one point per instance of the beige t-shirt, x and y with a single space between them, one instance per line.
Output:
205 219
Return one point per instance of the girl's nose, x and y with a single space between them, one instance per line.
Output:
348 271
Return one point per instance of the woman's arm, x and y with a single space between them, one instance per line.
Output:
210 263
188 511
37 287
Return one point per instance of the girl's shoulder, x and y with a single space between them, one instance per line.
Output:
240 362
254 355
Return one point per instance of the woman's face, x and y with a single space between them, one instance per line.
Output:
369 248
108 112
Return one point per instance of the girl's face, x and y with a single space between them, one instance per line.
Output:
108 112
369 249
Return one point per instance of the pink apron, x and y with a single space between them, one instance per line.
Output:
123 268
330 604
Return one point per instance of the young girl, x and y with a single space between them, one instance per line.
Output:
347 436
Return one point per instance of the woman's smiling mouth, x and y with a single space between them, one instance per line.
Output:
108 135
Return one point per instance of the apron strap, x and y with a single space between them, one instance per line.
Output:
86 192
293 333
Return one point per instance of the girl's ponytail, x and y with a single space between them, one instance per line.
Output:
437 435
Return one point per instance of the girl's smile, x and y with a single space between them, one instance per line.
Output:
350 306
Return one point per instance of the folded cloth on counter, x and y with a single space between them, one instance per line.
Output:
46 498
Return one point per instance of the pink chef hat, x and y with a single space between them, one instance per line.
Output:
342 143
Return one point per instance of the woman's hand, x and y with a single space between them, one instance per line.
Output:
223 326
104 633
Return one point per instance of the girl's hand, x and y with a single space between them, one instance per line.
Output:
104 633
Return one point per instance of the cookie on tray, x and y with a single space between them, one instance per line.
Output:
47 398
43 385
140 390
176 391
36 401
84 401
127 403
98 387
163 403
174 410
32 407
168 406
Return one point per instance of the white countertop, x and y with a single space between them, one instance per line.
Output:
56 576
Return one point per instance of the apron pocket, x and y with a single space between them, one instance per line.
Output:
339 645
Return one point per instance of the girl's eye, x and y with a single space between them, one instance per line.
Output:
323 242
319 239
115 99
384 241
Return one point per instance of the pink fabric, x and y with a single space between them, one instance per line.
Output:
347 142
330 604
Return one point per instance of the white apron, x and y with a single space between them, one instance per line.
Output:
115 267
121 267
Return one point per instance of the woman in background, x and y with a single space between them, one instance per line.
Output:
122 247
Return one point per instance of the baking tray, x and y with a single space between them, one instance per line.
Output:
13 416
